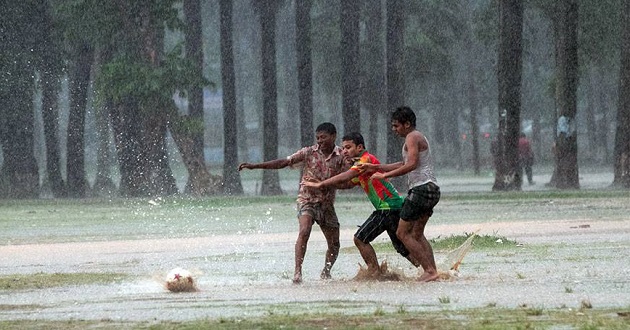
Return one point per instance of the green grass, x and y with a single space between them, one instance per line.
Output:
479 242
47 280
445 244
534 195
481 318
97 219
41 221
65 220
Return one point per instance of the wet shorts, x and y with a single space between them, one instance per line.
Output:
420 201
323 215
378 222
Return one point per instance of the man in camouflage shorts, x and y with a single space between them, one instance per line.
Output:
320 161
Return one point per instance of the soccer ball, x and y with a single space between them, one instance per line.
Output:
180 280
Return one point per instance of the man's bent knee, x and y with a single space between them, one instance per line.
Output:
404 228
403 235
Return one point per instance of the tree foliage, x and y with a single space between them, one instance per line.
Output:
442 62
125 77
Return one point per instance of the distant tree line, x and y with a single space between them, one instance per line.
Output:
477 73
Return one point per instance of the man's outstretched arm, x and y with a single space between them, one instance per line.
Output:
268 165
341 181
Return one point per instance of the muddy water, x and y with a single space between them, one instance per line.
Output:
559 265
569 254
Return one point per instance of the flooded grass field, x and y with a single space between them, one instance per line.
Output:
556 259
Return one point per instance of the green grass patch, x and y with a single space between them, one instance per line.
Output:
479 242
49 280
444 300
482 318
449 243
534 195
71 325
96 219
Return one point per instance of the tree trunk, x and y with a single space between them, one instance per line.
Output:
79 84
603 123
304 69
622 135
128 135
350 83
289 136
194 52
472 97
395 78
554 149
19 174
50 118
28 43
161 181
205 183
374 72
246 38
271 178
155 110
505 148
51 71
473 103
185 131
126 120
140 124
104 184
566 89
241 127
591 108
232 178
188 131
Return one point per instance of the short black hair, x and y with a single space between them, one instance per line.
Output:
355 137
326 127
404 115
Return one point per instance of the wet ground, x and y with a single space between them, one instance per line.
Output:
562 262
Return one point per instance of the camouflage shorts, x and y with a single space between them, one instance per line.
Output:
323 214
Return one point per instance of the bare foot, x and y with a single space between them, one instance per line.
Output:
297 278
374 272
325 275
429 277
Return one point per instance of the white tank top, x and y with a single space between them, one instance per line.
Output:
424 172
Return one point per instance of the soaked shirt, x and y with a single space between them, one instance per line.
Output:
315 164
381 193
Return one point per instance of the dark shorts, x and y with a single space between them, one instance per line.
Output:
377 223
420 201
323 214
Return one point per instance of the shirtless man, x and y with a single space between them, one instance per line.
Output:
423 194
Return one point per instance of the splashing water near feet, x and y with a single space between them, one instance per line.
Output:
382 274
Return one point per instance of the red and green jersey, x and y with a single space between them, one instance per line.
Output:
381 193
